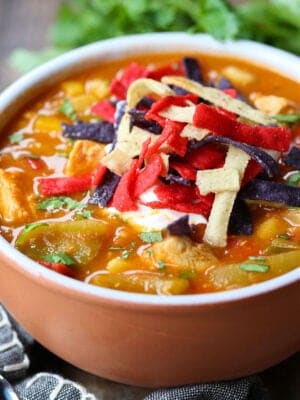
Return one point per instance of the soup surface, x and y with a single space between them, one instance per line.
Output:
166 174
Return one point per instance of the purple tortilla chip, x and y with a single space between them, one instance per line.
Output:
102 132
104 192
276 192
192 69
180 227
240 222
293 158
264 159
137 118
145 102
174 178
224 84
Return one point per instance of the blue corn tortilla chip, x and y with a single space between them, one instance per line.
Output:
240 222
225 83
192 69
102 132
145 102
137 118
268 163
293 158
259 189
104 192
181 227
174 178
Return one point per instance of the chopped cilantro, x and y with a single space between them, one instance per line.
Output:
56 202
149 252
16 138
257 258
125 254
288 118
252 267
84 214
59 258
161 264
28 228
294 179
67 109
151 237
187 274
115 248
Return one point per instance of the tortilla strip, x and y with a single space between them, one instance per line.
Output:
220 99
141 87
218 180
192 132
216 229
179 114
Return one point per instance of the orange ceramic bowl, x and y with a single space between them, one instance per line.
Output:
144 339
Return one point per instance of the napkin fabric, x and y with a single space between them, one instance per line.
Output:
18 350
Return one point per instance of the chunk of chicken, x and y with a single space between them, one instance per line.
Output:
183 253
15 206
270 104
84 157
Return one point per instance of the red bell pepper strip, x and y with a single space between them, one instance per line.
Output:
184 170
98 174
123 199
252 170
143 152
171 136
158 73
149 175
231 92
64 185
206 157
167 101
104 109
182 198
57 267
120 85
273 138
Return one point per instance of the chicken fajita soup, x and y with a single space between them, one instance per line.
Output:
163 175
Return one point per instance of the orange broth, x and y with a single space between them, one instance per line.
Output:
40 126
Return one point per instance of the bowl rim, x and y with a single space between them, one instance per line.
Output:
274 59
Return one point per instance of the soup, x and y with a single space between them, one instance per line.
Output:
165 174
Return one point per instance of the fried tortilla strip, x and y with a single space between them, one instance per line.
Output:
220 99
218 180
141 87
216 229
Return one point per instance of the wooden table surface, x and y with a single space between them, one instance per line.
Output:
24 23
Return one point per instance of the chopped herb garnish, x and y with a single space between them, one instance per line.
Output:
84 214
284 236
67 109
161 264
125 254
294 179
288 118
115 248
59 258
151 237
187 274
149 252
252 267
16 138
28 228
257 258
56 202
